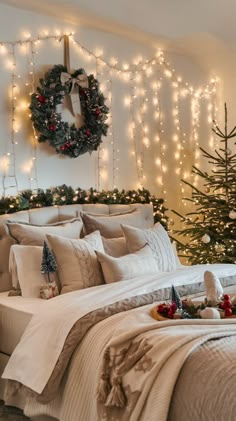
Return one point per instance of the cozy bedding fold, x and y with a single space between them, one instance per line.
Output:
15 314
143 351
45 337
43 340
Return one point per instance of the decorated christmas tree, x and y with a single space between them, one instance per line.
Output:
209 233
48 264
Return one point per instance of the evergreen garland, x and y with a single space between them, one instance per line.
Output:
66 195
68 140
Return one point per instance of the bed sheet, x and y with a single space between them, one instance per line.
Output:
15 314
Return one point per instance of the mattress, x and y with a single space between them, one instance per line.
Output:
15 314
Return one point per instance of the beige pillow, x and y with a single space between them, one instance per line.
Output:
35 235
127 267
25 268
77 263
158 240
115 247
109 226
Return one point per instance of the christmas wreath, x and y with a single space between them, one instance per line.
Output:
86 99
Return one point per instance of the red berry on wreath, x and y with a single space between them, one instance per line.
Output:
62 148
97 111
41 98
226 297
87 132
52 127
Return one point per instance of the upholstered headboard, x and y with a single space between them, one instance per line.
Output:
53 214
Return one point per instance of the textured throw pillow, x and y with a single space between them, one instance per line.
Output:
158 241
127 267
25 268
109 226
177 261
115 247
77 263
35 235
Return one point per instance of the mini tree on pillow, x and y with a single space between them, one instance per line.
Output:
48 266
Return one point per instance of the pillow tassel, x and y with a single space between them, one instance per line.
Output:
117 395
104 388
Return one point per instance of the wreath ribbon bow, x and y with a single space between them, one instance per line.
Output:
75 82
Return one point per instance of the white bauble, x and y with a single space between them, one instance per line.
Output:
232 214
206 238
210 313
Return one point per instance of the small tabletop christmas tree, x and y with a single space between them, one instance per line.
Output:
48 264
211 229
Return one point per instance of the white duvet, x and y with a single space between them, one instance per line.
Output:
44 337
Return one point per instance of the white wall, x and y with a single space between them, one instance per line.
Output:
53 169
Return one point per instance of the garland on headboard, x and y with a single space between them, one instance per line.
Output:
66 195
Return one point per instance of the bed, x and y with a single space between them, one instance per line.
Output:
94 351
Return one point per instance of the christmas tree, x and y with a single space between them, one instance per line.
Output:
210 231
48 264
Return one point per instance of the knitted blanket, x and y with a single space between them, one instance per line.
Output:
142 353
46 338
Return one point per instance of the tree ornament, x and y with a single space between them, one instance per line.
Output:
219 248
207 189
232 214
87 104
206 238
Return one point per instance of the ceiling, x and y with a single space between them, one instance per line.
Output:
171 20
203 29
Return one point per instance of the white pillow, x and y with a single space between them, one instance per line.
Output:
127 267
25 268
115 247
158 241
35 235
177 261
110 225
77 263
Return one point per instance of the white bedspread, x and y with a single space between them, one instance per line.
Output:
43 339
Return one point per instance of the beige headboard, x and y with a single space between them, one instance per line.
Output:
54 214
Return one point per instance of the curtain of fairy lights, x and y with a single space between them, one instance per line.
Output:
147 122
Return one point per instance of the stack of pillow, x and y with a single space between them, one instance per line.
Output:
89 250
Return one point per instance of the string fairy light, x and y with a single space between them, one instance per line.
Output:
142 71
111 134
133 130
33 176
99 151
9 178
